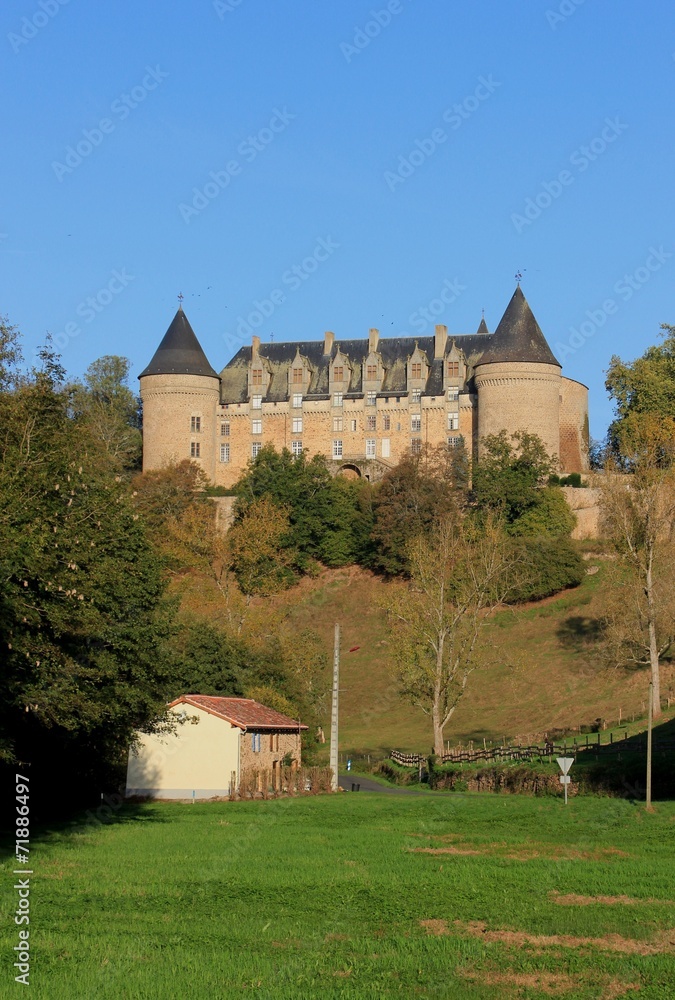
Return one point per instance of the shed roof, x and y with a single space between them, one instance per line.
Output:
245 713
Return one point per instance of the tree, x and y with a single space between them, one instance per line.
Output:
639 516
82 609
646 385
107 406
408 500
460 573
510 475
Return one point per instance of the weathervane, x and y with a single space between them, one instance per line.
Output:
180 300
271 338
519 275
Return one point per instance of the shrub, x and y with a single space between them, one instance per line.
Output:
553 565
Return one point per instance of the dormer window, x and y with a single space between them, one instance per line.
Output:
416 369
453 369
296 376
338 373
257 376
371 372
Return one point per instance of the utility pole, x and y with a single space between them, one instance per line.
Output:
334 710
648 804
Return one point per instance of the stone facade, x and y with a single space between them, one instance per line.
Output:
273 748
363 403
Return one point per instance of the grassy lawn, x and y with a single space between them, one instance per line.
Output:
368 896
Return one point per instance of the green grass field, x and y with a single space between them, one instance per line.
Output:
368 896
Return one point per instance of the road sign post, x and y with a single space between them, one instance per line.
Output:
565 764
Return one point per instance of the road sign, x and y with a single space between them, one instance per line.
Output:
565 764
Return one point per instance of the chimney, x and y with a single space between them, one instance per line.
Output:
440 341
256 345
328 339
373 338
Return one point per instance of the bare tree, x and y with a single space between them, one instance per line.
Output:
638 511
460 573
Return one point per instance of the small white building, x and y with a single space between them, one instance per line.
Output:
215 741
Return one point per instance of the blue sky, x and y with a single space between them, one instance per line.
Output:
366 157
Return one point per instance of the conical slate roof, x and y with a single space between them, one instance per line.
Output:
482 327
518 337
179 353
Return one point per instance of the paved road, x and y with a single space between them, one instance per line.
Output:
368 785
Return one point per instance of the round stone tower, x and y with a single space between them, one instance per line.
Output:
518 379
180 393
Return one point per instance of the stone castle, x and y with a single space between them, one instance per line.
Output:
362 403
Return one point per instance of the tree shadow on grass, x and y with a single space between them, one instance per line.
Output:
113 812
579 632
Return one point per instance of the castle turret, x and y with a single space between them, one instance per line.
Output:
518 379
180 393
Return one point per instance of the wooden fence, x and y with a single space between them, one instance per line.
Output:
591 745
269 783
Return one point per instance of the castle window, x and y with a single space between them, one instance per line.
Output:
256 427
370 447
416 446
384 444
224 430
338 374
194 449
337 399
255 742
337 449
255 449
296 448
453 421
337 424
297 425
415 423
371 423
256 402
224 453
453 395
353 426
453 442
416 370
296 376
416 395
371 371
371 398
256 376
453 369
297 400
195 424
387 423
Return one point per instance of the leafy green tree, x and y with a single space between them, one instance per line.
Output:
410 498
82 609
646 385
509 476
324 512
104 403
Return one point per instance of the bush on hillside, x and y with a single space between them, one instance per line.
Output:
552 565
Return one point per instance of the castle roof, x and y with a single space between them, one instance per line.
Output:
394 352
179 353
482 327
518 337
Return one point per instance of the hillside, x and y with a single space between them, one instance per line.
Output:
545 671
